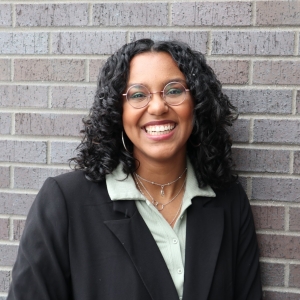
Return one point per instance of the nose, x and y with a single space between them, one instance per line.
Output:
157 104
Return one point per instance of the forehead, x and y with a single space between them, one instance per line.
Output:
153 67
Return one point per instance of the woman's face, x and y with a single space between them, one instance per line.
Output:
158 131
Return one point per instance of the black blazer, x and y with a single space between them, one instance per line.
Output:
80 245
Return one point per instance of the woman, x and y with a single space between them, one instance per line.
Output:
153 211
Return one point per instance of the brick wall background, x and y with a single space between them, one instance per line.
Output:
50 54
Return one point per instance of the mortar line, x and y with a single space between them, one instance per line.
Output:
291 162
286 274
250 73
209 44
12 174
180 28
294 101
87 69
13 15
11 229
287 218
251 129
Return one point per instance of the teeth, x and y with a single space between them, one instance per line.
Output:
159 129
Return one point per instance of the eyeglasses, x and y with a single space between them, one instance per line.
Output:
138 96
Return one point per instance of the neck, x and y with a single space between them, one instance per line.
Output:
162 173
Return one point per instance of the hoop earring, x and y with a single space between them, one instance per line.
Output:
124 143
195 146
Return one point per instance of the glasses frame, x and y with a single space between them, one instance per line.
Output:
151 93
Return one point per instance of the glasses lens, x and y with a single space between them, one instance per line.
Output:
137 96
174 93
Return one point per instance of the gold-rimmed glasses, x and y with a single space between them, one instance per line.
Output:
138 96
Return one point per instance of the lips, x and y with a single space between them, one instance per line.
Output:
159 129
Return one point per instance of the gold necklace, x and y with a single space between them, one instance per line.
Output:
160 206
162 192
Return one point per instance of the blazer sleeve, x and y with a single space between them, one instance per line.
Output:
248 282
42 267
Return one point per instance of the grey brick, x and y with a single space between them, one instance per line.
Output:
23 96
17 204
230 71
211 13
95 66
276 131
294 222
268 295
272 274
276 72
253 43
61 152
23 151
4 281
18 228
196 40
5 69
130 14
276 189
73 97
5 15
48 124
297 162
8 254
294 280
23 43
5 123
4 229
268 217
45 15
4 177
278 13
240 130
258 160
261 101
279 246
49 70
87 42
33 178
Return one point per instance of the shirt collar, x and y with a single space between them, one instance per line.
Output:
120 187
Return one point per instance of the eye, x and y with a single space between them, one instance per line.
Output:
174 91
137 96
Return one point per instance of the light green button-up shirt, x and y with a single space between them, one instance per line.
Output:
170 241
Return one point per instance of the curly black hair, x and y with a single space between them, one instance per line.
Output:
208 147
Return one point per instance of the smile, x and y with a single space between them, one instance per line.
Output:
159 129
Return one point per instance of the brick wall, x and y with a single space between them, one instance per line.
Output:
50 54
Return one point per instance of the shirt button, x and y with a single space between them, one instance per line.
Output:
175 241
179 271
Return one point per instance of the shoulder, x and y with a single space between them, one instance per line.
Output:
233 197
75 187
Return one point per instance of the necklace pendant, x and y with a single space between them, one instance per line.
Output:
160 206
162 192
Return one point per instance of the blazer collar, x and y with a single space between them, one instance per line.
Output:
205 227
137 240
204 235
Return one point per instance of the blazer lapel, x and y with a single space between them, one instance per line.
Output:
137 240
203 241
